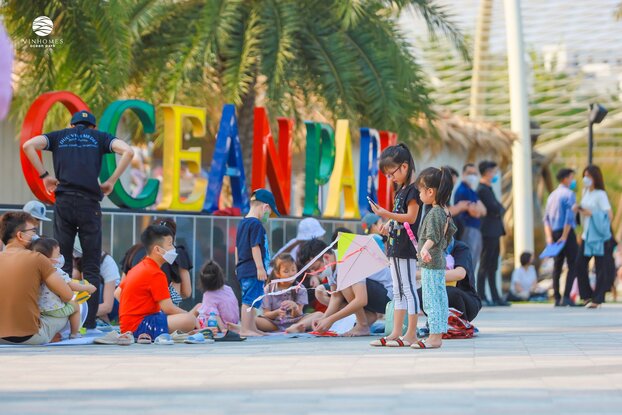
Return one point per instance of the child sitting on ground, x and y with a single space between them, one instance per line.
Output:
283 312
218 297
49 303
523 286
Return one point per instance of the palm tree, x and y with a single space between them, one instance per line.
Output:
349 55
95 57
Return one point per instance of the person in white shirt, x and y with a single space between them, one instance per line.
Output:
594 200
524 280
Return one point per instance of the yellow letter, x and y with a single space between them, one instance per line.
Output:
174 154
343 176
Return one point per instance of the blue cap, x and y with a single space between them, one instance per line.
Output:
369 220
265 196
83 117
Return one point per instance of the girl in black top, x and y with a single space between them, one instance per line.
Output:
396 162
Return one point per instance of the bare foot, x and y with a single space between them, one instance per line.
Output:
57 337
357 331
296 328
236 328
250 333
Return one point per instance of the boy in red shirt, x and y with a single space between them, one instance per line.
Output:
145 304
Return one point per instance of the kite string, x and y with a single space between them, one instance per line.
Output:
297 286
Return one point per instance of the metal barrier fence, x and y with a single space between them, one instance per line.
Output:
204 236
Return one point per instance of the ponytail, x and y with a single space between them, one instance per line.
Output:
439 180
446 186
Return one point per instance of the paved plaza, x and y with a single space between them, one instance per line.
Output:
527 359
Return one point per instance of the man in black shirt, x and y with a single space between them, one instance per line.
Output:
77 155
492 229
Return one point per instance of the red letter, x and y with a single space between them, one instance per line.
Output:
385 191
33 126
279 170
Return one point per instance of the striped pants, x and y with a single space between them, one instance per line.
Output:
404 275
435 302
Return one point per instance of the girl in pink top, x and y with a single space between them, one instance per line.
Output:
217 297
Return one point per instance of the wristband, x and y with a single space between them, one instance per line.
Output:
44 175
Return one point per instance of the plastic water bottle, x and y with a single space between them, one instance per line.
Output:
212 321
202 318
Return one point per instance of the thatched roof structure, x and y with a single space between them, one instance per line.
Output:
470 137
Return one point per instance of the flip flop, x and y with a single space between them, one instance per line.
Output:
207 333
381 342
109 339
126 339
164 339
399 342
230 336
421 344
144 338
324 333
179 337
196 338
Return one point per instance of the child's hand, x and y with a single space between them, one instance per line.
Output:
90 289
289 305
315 281
385 228
321 325
425 255
262 275
282 313
382 212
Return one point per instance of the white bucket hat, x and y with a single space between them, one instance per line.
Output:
310 228
37 210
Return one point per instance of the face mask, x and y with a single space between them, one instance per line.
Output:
265 217
495 178
573 185
170 256
60 262
326 274
587 182
472 180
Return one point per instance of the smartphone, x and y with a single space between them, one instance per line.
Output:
371 201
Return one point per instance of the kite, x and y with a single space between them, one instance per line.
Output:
358 257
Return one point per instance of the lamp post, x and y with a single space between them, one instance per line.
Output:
596 113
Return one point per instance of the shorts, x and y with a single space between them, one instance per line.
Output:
377 298
66 311
251 289
153 325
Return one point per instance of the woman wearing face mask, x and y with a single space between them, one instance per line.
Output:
596 240
177 272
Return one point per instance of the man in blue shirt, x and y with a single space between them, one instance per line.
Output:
559 224
470 217
77 154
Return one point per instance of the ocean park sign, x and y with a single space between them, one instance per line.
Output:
328 159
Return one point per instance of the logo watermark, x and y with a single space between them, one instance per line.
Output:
43 26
